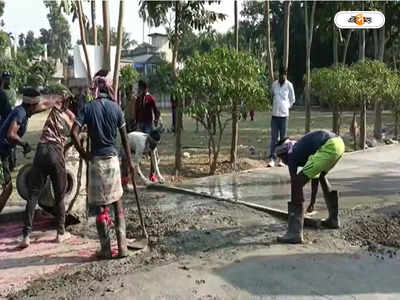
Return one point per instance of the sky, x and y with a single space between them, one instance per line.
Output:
20 16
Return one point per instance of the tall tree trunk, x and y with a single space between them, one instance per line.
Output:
346 45
179 102
119 46
236 25
376 43
309 27
235 123
106 35
382 39
286 33
336 120
396 124
378 103
363 117
83 39
363 125
361 45
378 120
354 130
94 28
335 46
270 61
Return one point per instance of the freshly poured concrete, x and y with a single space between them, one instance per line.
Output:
362 178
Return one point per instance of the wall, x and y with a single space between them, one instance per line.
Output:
95 54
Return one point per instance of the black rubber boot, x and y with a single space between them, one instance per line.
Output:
294 235
332 202
105 242
120 230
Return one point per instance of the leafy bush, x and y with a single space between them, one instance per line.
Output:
214 82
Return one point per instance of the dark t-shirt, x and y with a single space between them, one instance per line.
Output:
306 146
103 118
19 115
5 106
146 110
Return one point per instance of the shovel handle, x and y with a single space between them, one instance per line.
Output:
144 232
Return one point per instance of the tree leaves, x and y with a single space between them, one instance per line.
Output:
349 86
128 76
214 81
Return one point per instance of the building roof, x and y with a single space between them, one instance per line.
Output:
141 49
142 59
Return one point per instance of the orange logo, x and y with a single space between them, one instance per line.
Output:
360 19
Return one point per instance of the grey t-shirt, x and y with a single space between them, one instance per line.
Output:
307 146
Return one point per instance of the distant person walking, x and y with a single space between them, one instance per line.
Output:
283 96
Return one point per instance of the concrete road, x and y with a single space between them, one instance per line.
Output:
362 178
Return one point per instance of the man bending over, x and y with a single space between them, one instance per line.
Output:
317 152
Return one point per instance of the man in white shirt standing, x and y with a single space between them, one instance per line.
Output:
283 96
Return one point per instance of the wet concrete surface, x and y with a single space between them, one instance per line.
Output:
362 178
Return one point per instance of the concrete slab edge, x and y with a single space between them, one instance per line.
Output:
309 222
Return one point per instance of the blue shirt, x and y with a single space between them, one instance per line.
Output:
305 147
103 118
19 115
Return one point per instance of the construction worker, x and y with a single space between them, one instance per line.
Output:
13 129
317 152
104 118
49 161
